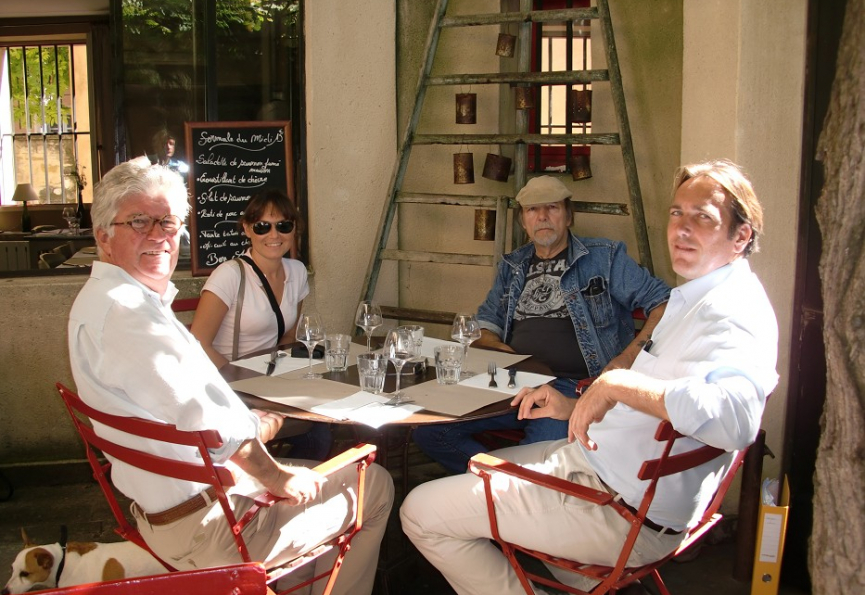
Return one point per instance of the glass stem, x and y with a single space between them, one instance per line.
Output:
398 373
309 351
368 341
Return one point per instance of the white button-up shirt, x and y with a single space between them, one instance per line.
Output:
130 356
717 344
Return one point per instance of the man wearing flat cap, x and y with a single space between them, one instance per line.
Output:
567 301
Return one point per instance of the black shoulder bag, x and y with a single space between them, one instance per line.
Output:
280 321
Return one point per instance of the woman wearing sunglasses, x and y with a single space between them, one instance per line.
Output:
271 223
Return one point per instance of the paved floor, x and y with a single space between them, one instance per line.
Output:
43 504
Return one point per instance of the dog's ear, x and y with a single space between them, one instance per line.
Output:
44 560
26 538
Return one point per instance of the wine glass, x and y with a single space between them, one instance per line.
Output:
465 329
399 348
310 332
71 216
368 318
417 335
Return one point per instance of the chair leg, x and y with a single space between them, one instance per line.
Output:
659 582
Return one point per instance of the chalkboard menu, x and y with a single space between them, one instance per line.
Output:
229 162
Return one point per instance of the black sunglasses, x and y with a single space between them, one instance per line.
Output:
261 228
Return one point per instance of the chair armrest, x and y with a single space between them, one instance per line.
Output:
351 456
344 459
483 461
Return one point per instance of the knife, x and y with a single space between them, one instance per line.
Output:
512 378
271 365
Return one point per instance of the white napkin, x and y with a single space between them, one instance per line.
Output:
283 364
523 379
366 408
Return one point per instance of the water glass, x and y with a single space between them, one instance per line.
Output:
336 352
449 361
371 368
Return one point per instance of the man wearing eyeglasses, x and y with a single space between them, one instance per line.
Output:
130 356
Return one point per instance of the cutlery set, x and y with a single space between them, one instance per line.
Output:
512 376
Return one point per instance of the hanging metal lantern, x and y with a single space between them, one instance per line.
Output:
464 168
524 97
506 44
497 167
485 225
467 106
580 167
582 105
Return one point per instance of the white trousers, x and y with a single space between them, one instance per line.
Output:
283 532
447 521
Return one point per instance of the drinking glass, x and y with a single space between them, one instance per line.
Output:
368 318
371 369
71 216
399 347
310 332
465 330
417 335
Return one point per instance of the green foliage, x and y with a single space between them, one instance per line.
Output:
47 82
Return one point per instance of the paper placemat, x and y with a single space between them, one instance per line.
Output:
522 380
451 399
478 358
300 393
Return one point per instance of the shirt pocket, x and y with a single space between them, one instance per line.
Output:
597 297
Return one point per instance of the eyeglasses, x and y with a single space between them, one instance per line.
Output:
261 228
142 223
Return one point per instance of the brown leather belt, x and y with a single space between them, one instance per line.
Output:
182 510
648 523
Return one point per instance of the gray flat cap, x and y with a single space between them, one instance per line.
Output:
542 190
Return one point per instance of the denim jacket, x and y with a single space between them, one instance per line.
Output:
602 286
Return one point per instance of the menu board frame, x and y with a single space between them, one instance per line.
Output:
220 157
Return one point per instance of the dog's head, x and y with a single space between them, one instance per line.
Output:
34 568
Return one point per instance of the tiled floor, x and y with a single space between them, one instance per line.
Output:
41 509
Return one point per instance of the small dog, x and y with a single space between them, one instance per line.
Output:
35 567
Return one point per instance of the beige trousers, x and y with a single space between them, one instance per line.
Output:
283 532
447 521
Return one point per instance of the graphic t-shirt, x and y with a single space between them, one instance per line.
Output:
542 326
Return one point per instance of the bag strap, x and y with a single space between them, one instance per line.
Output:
240 292
280 321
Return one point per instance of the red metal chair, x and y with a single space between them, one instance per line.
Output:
618 576
206 472
238 579
183 306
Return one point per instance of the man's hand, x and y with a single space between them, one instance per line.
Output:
588 409
270 424
544 401
298 485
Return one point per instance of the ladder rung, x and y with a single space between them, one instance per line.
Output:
534 16
488 202
601 208
559 77
416 315
611 138
437 257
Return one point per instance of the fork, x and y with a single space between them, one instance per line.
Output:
491 370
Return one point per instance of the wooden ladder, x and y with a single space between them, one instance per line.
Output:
521 139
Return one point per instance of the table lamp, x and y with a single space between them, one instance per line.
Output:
23 193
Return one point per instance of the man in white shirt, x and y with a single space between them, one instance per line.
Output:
708 368
130 356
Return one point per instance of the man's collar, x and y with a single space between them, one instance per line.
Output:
106 270
695 289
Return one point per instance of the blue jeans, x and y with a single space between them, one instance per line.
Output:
313 445
452 445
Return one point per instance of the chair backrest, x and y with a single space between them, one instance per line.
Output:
67 250
237 579
204 471
184 307
52 259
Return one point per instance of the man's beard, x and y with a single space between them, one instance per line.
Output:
547 240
